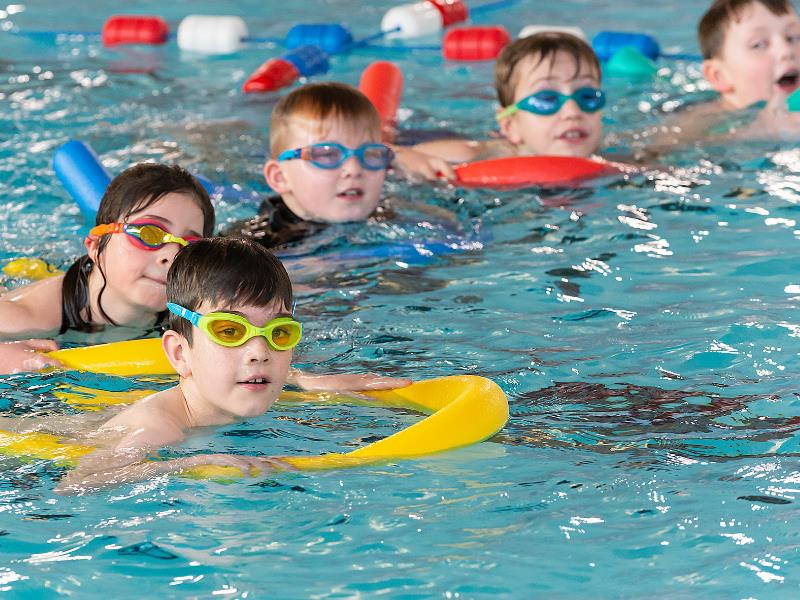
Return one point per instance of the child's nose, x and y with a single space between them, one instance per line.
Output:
571 109
352 167
784 48
257 349
166 254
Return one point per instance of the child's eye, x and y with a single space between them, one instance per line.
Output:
280 336
759 45
793 38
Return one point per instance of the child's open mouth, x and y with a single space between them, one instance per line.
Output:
351 194
255 383
574 135
789 81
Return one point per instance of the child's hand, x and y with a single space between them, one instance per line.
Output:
27 355
250 466
346 382
416 164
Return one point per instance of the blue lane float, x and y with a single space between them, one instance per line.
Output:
607 43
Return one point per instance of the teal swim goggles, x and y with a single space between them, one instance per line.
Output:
331 155
230 330
549 102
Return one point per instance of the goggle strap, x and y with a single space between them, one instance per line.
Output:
106 229
290 154
507 112
185 313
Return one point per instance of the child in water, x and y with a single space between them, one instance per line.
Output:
751 58
328 164
548 85
121 281
230 338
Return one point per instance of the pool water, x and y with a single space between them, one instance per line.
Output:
642 329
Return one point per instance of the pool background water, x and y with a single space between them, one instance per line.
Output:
644 331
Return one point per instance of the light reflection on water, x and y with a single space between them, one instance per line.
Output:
643 330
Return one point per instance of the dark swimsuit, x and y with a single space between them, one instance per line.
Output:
274 226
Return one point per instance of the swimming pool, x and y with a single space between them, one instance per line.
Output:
642 329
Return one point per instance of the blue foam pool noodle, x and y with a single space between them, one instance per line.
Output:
82 175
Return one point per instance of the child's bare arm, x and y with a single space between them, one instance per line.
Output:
433 160
103 469
345 382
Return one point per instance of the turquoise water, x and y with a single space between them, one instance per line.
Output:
643 329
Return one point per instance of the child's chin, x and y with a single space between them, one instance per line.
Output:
350 213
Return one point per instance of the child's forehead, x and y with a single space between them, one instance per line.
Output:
252 312
309 129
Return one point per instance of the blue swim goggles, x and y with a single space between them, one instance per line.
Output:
330 155
549 102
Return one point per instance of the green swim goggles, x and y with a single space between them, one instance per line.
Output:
231 330
549 102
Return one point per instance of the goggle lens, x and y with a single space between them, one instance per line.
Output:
150 235
229 332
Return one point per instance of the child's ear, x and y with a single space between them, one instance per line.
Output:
91 243
275 177
510 129
176 348
714 72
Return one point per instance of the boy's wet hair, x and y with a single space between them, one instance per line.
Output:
225 273
322 102
133 190
545 46
714 23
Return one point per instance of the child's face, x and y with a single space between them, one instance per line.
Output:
570 131
759 57
347 193
238 382
136 278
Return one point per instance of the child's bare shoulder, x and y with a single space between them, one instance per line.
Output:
33 309
156 420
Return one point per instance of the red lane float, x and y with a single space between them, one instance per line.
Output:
134 29
452 11
276 73
382 83
516 171
270 76
475 43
